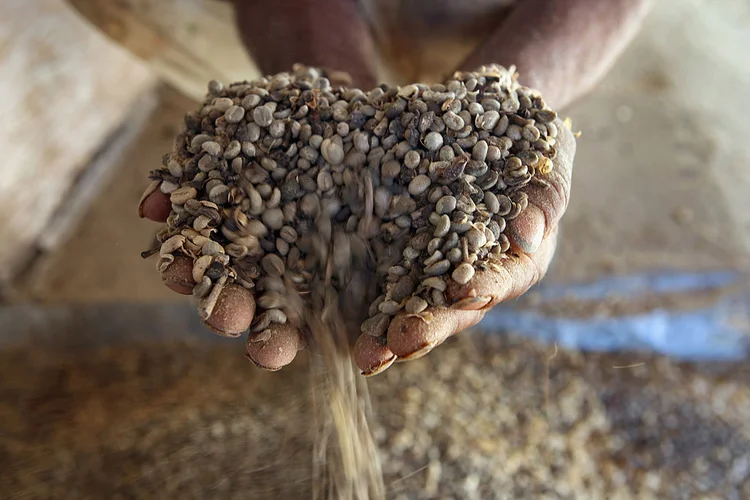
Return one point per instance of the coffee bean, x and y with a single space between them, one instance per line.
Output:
419 185
273 218
222 104
433 141
453 121
389 307
376 326
454 255
263 116
273 265
491 202
443 226
416 305
445 205
234 114
438 268
277 129
390 169
412 159
212 148
488 120
463 273
479 153
403 288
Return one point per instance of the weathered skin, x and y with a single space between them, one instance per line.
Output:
560 47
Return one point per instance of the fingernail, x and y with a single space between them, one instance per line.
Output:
527 230
472 303
411 338
423 350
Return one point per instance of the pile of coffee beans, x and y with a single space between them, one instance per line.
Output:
289 179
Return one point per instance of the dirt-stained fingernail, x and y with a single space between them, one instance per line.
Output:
472 303
419 352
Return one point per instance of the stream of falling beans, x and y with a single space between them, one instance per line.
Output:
346 461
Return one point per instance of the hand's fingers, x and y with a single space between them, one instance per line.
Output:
410 336
275 351
331 34
547 203
511 279
371 355
234 309
232 316
533 234
566 46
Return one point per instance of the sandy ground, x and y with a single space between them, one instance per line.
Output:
166 414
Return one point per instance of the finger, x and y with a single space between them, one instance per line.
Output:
154 204
275 351
281 33
510 279
410 337
233 313
178 277
547 202
234 310
568 46
372 355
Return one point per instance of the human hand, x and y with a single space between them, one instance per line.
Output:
532 236
529 236
560 47
569 49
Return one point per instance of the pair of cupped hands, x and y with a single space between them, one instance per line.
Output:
563 51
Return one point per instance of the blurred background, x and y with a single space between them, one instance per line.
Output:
623 375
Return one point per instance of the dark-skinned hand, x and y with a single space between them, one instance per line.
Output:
569 47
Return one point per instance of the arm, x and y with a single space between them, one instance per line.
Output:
330 34
562 47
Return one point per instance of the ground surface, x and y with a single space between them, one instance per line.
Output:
167 414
